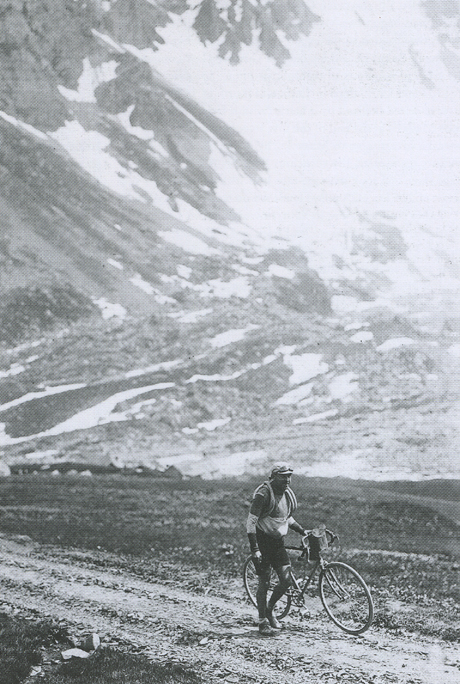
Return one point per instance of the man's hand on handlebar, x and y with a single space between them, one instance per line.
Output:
257 556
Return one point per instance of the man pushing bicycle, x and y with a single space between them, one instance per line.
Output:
269 520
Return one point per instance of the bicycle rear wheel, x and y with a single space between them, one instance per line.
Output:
251 582
346 597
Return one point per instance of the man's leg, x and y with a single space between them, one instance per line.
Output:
261 597
285 581
262 589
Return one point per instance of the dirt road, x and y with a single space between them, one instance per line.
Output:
216 635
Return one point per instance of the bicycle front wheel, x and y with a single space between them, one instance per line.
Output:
251 581
346 597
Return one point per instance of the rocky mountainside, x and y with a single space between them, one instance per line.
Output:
144 316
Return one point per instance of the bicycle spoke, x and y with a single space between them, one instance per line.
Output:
346 598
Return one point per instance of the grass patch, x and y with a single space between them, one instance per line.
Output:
108 666
29 310
21 642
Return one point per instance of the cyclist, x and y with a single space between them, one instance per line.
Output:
269 520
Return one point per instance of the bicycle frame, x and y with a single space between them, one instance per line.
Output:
320 563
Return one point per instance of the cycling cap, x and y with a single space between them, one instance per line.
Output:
281 469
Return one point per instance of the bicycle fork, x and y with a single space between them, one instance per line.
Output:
336 586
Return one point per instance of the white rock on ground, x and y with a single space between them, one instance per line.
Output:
74 653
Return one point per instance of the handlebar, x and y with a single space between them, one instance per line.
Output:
305 542
331 537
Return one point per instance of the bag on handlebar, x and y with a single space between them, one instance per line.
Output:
318 541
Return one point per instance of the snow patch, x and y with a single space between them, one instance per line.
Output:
27 345
215 378
233 465
134 411
14 369
90 79
454 351
5 470
315 417
357 325
281 271
343 303
342 386
163 365
115 264
211 425
244 271
45 456
142 284
38 395
141 133
305 367
238 287
109 41
252 260
190 316
295 395
357 465
361 337
109 310
234 234
394 343
89 149
286 349
100 414
184 271
222 339
178 460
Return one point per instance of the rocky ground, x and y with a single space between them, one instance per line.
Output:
217 635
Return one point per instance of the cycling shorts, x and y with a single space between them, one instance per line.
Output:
273 552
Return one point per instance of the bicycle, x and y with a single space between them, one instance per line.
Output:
344 594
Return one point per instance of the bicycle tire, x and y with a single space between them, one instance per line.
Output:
250 580
346 597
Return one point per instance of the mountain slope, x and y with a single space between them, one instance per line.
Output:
177 255
103 101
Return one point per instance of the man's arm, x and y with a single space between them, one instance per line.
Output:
253 517
294 525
